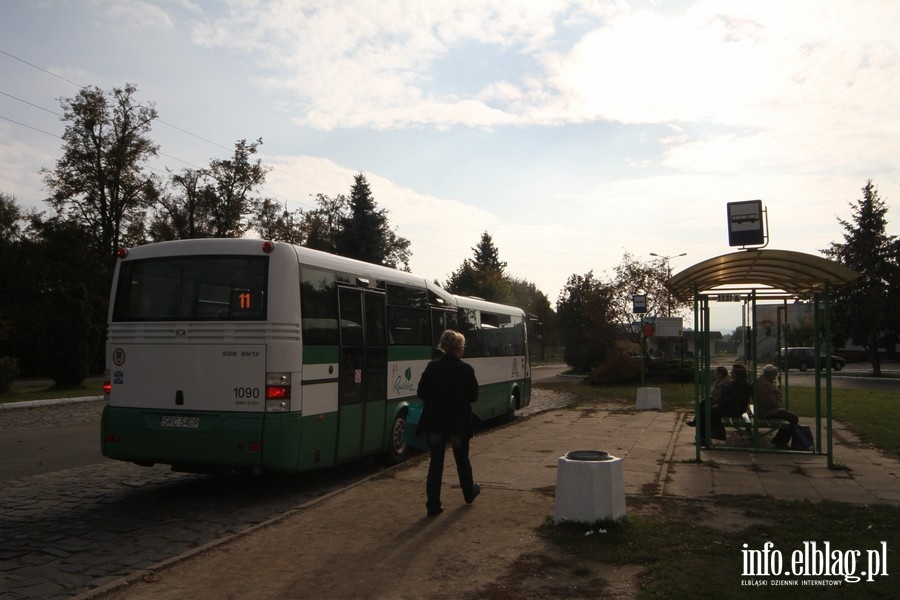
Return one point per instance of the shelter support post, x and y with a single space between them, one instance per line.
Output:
702 364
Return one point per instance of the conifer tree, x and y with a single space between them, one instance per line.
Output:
866 312
483 276
365 233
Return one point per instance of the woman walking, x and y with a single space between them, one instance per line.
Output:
448 388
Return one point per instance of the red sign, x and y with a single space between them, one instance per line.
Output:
649 330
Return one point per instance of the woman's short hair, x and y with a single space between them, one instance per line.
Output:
452 342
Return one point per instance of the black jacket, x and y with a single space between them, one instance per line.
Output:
447 388
735 398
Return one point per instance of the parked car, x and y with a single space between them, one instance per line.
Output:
805 358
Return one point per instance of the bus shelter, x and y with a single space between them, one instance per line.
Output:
754 276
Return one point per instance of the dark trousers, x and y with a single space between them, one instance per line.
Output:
783 437
717 430
437 443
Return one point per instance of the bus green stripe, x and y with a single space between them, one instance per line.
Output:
401 353
319 355
330 354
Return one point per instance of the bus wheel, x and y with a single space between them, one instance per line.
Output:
513 405
397 449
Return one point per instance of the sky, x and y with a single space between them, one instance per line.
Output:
572 132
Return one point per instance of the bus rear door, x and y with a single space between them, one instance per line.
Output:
363 373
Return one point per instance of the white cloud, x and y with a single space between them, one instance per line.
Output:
133 15
19 168
795 84
355 64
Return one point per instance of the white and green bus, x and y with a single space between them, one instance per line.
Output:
239 354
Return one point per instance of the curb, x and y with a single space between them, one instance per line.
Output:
51 402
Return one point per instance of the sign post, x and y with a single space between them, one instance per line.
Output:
646 331
639 306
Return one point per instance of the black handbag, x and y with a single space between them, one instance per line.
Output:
802 438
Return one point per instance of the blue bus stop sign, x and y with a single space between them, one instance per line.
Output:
639 303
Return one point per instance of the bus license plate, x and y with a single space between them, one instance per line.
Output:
175 421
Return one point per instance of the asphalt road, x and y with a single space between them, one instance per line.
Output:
30 452
849 378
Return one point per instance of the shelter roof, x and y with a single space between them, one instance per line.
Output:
770 273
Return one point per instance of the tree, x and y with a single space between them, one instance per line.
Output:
586 321
536 305
232 183
526 296
866 311
360 235
483 276
277 224
632 278
10 217
217 201
487 257
464 281
58 301
70 325
322 225
100 182
183 212
365 233
398 252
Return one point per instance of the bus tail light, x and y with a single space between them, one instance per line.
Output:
107 386
278 392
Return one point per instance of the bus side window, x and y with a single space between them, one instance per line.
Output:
441 320
318 305
516 335
408 317
468 326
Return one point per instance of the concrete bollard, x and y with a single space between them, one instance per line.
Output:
589 487
648 399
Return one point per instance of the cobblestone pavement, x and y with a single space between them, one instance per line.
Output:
66 532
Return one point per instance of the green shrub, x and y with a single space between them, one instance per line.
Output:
675 370
9 370
618 368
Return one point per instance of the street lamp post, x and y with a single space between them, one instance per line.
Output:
668 276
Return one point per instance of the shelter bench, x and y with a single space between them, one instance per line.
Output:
763 427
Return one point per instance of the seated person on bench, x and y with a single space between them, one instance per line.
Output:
769 405
721 378
733 401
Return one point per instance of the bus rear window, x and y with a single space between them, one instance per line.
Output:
192 288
